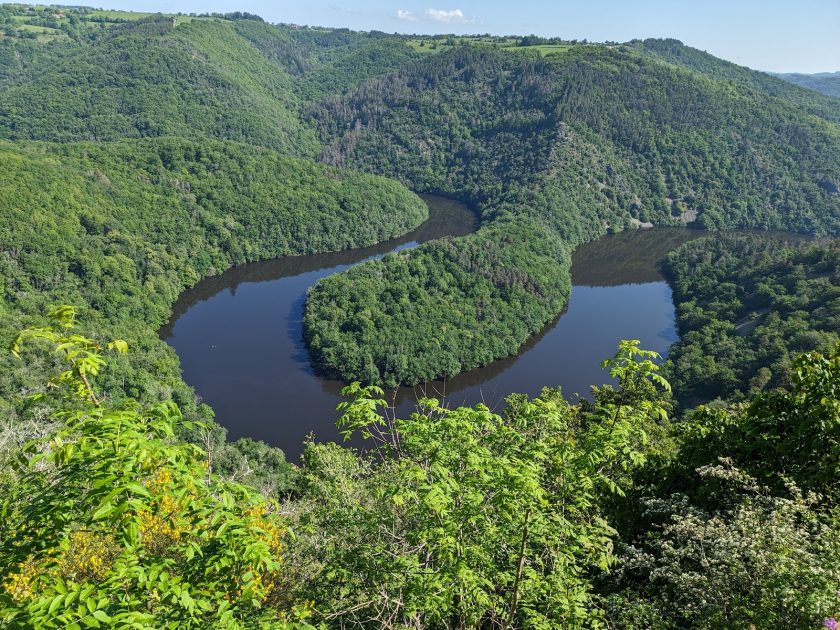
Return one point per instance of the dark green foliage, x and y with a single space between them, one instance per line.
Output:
121 229
566 146
457 305
781 435
664 141
746 305
740 525
827 83
746 558
327 61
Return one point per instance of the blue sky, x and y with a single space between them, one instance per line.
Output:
774 35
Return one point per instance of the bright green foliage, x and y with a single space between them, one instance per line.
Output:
80 353
113 524
746 305
464 518
454 518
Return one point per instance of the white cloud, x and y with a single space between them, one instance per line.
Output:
453 16
444 16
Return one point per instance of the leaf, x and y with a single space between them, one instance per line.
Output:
55 603
119 346
103 511
102 616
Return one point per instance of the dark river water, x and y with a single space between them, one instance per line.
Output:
239 339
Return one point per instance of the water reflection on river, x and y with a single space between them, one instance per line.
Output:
239 334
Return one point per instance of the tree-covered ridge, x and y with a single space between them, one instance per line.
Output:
327 61
122 228
674 52
827 83
670 140
228 78
566 146
152 78
746 306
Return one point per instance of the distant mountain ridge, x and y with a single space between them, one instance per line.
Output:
824 82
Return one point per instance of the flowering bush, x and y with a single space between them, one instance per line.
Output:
759 559
113 522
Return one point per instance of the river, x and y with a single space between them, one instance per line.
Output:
238 335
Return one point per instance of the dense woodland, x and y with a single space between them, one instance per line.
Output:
141 153
141 221
569 145
827 83
746 306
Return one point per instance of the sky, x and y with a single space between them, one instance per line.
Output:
770 35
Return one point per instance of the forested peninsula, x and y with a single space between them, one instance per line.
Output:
140 153
554 151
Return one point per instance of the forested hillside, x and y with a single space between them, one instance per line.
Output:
746 306
231 79
824 82
122 228
141 153
566 146
674 52
151 78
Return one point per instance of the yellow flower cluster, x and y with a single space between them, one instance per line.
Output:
260 515
159 529
89 556
19 585
272 533
161 526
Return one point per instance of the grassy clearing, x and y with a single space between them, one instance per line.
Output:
45 30
543 49
438 45
120 15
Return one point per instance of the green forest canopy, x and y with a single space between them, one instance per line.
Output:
144 152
